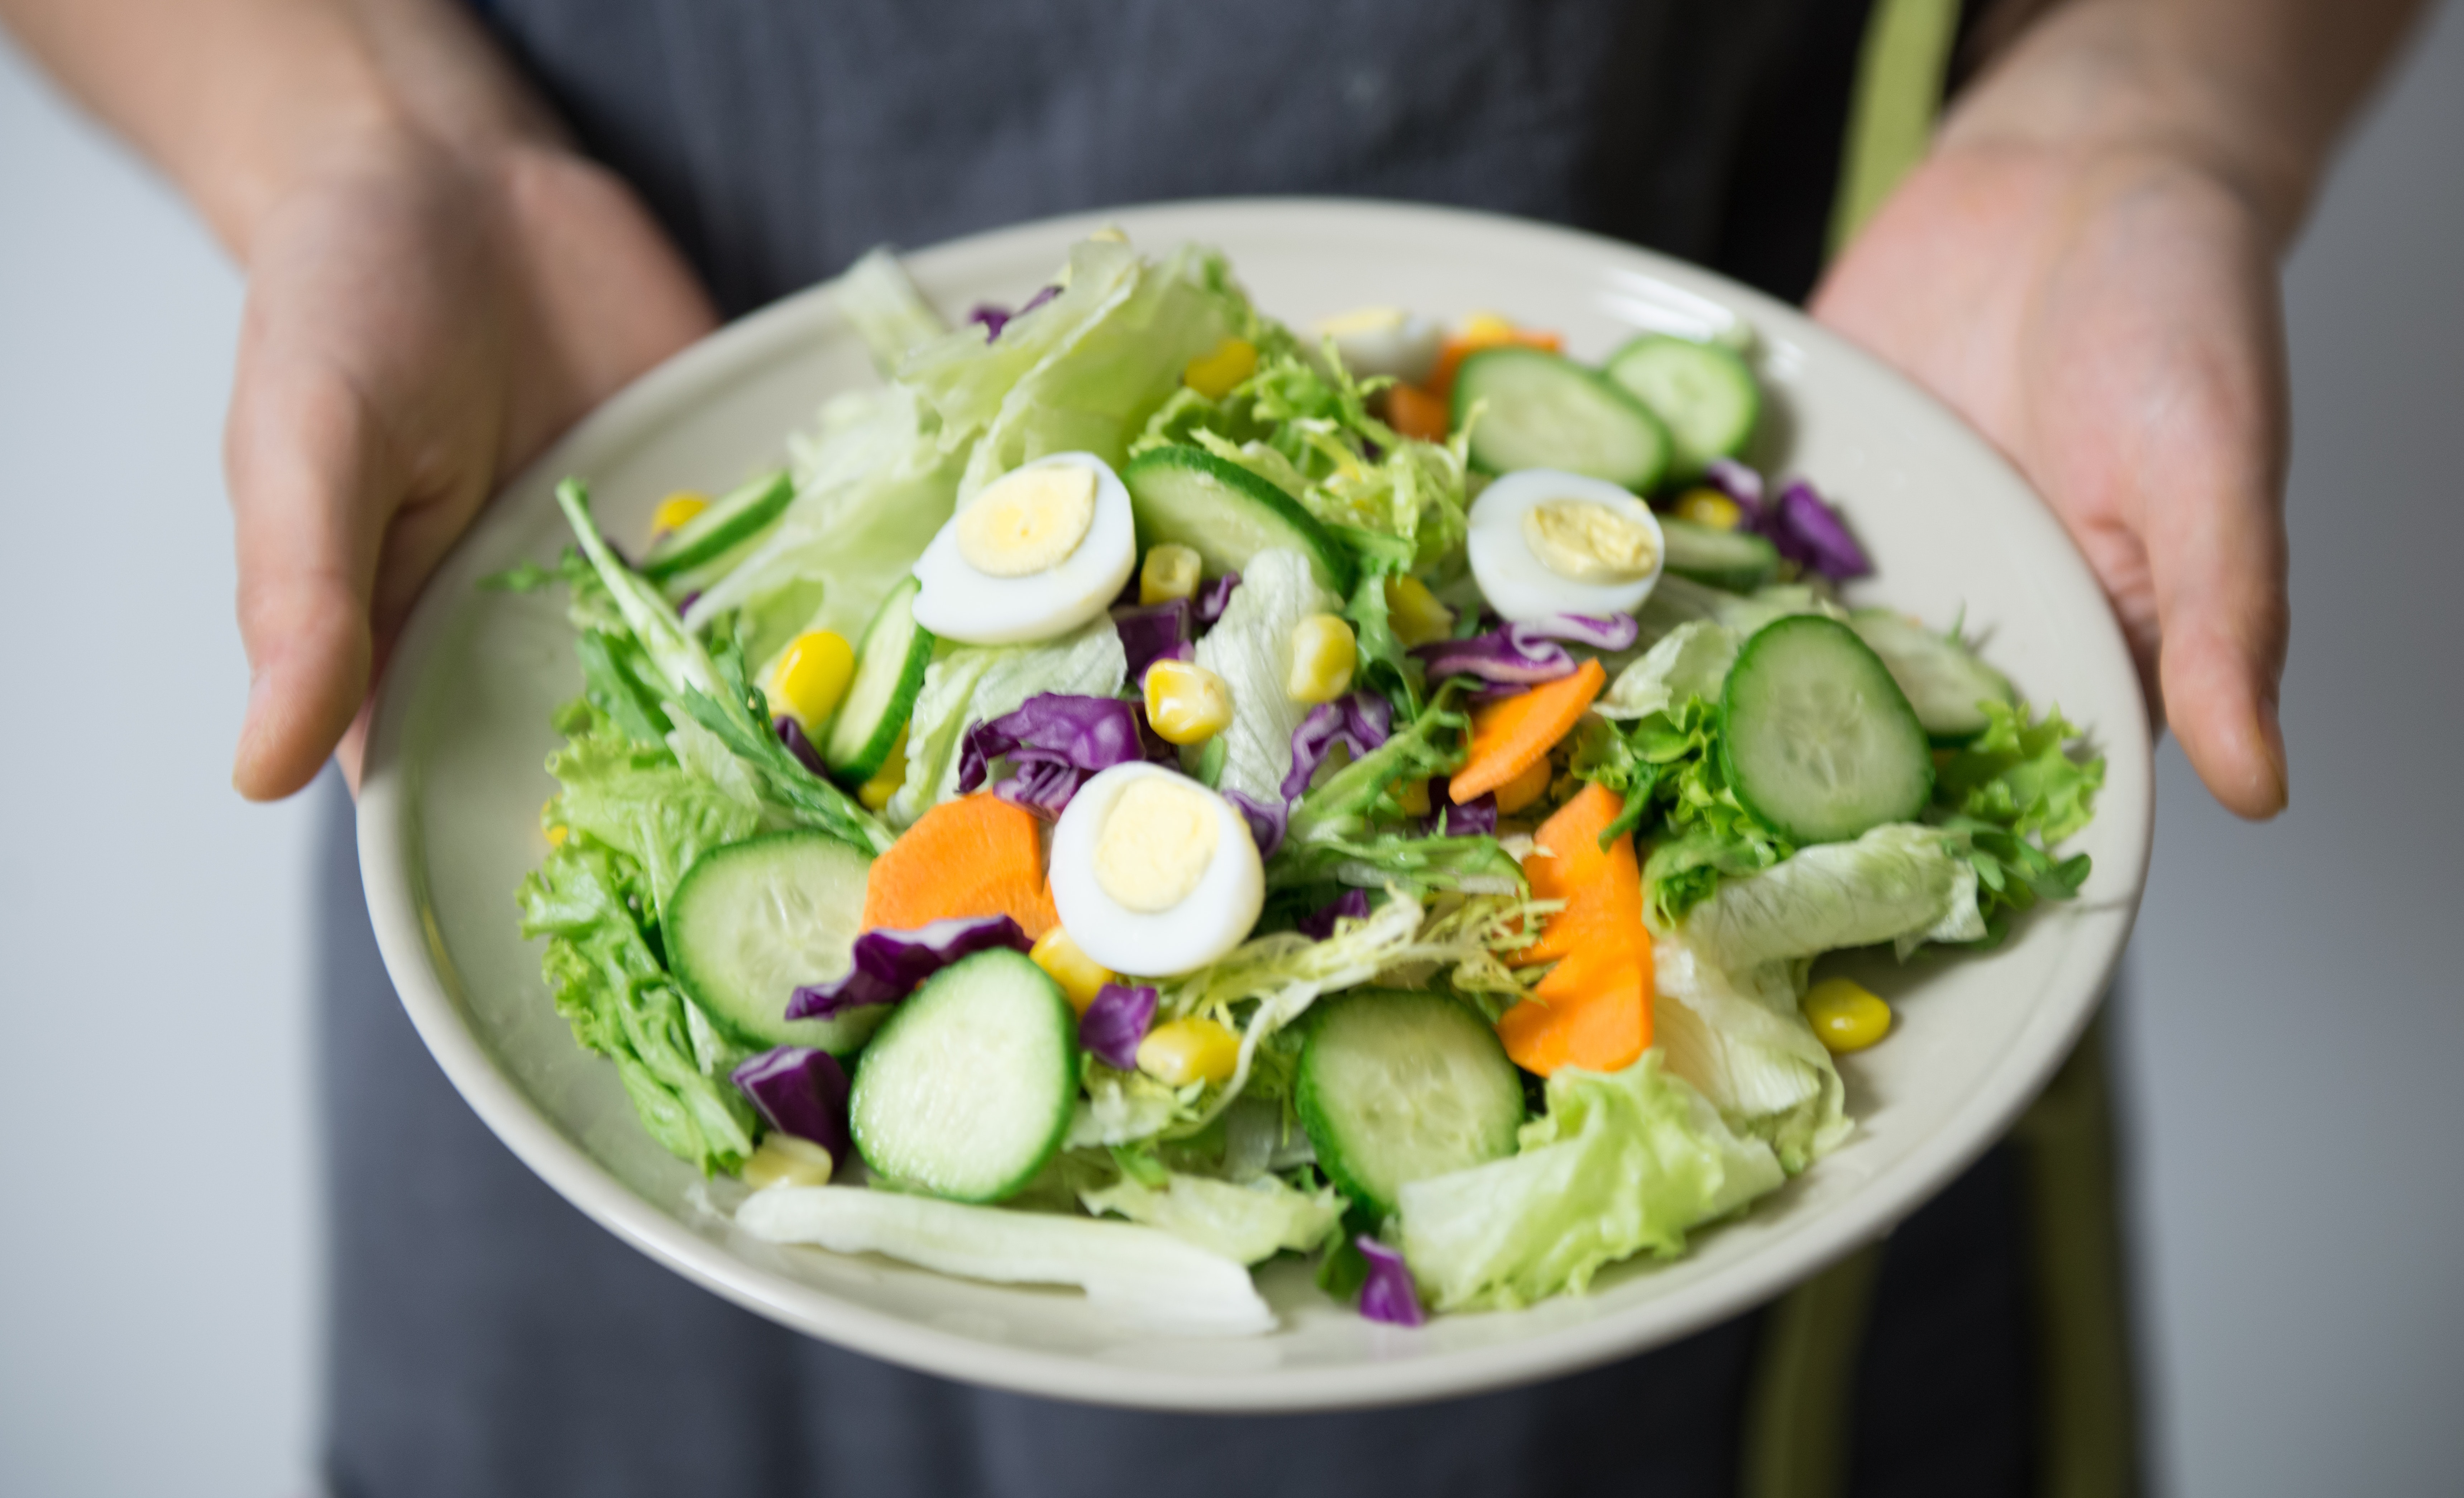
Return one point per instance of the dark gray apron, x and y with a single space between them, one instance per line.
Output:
486 1339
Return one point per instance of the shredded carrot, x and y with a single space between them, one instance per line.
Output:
1455 351
1525 789
1510 735
1419 413
975 856
1593 1008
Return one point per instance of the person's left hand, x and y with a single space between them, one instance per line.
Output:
2109 317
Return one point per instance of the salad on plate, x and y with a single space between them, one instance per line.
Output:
1145 792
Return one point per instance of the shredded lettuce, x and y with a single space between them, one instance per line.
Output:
1690 661
640 801
977 683
1251 649
2011 797
1248 1222
890 314
1621 1163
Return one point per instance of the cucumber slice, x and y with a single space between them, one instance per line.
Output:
1545 412
967 1090
1738 560
1703 394
753 920
889 663
1398 1087
735 521
1226 514
1943 680
1817 739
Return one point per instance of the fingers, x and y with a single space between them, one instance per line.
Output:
2219 563
300 454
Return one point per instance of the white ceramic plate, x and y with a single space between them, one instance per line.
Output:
450 809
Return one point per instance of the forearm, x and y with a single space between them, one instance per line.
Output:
2254 92
240 101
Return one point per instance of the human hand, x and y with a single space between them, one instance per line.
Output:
420 322
2108 316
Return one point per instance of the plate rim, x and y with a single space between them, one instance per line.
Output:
392 865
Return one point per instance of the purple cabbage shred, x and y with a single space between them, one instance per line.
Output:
1054 745
1265 822
995 317
1215 595
1524 651
1738 482
1114 1025
1474 818
889 964
1806 528
1319 925
792 733
800 1091
1388 1294
1157 632
1359 722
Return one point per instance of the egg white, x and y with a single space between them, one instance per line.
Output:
1518 584
1214 918
958 603
1406 345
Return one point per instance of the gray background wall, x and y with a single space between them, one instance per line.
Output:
2291 1039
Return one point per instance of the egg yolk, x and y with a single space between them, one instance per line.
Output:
1583 540
1158 839
1029 521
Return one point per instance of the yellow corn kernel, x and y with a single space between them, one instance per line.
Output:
1189 1051
783 1159
1169 572
1708 507
675 510
555 835
1186 703
1081 977
812 676
556 831
1414 614
1525 789
1486 327
1413 797
875 793
1323 655
1214 375
1847 1015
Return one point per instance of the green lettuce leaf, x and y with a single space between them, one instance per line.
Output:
620 1002
1250 647
2011 797
1247 1223
977 683
640 801
1690 661
890 314
1900 883
1622 1163
1742 1042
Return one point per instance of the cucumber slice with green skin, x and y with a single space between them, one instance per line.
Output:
1703 393
1546 411
967 1091
1738 560
1817 739
1227 515
1943 680
754 920
735 520
1396 1087
889 663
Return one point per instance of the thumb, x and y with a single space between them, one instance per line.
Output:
2220 599
306 482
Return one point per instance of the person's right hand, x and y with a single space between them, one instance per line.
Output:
419 324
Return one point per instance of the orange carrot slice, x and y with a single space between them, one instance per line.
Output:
1512 734
976 856
1419 413
1593 1008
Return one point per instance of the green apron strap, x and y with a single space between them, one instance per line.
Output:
2088 1416
1803 1386
1900 73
